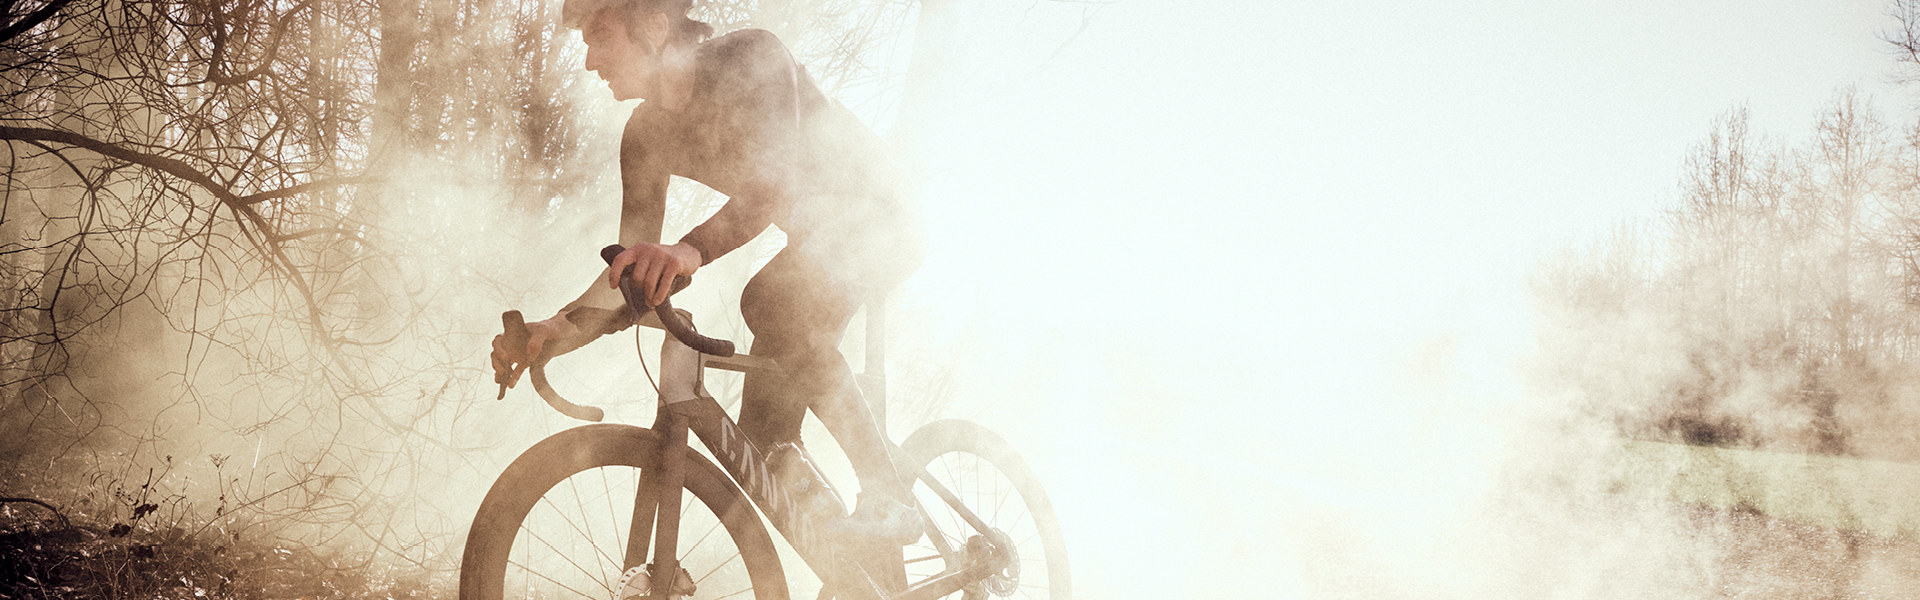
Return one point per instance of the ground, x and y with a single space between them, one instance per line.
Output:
42 556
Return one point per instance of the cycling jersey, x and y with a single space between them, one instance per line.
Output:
756 129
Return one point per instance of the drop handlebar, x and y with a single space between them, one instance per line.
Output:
675 322
516 327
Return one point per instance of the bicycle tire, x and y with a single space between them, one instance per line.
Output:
982 469
619 451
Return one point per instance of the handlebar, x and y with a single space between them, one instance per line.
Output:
516 327
675 322
670 319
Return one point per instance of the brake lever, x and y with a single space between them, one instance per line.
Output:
669 319
516 336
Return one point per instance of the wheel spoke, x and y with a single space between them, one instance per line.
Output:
991 487
703 538
1037 589
716 569
580 504
516 531
535 535
576 529
733 594
1003 495
1030 537
619 533
552 580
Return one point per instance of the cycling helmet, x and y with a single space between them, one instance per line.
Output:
574 13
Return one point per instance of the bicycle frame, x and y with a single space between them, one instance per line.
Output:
973 556
686 406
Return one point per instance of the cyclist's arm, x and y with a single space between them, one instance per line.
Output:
597 311
747 213
760 87
643 210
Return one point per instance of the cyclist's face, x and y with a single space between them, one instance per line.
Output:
629 65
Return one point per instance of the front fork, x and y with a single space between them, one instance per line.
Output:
656 510
656 507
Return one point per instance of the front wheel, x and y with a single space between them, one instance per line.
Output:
993 482
557 522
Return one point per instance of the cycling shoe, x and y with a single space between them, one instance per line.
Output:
880 520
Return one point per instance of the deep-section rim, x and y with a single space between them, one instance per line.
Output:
953 435
554 459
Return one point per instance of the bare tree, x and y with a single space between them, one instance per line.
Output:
1784 289
280 194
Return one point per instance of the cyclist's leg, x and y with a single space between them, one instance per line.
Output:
771 408
798 317
798 314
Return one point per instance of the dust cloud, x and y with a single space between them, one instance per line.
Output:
1242 377
1324 395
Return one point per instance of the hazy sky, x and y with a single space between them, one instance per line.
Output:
1369 176
1280 249
1247 281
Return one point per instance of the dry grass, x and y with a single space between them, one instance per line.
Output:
42 557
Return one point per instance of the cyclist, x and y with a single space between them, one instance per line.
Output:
737 114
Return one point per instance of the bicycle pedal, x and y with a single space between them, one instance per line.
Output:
637 584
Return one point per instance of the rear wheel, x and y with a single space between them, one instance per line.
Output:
557 522
985 474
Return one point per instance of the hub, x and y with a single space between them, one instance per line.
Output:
1001 557
637 584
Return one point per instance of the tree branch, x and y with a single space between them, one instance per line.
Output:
340 231
32 20
295 190
267 57
56 512
170 166
243 211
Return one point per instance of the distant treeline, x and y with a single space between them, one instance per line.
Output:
1775 305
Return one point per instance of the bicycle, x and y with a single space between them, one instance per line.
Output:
990 528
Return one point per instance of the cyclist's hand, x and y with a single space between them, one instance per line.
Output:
509 362
654 267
